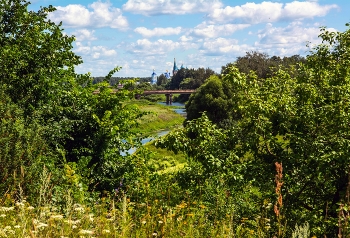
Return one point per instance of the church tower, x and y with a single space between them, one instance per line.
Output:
154 78
175 69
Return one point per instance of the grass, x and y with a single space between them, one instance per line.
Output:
160 117
165 161
118 217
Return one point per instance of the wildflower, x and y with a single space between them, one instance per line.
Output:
143 222
155 234
40 225
202 206
6 209
56 217
30 208
106 231
160 222
86 232
17 226
79 209
74 227
20 204
2 215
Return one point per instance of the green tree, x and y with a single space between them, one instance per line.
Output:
36 60
216 98
37 75
301 120
262 64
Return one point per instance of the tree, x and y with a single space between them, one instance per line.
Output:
78 126
197 75
302 121
216 98
36 60
263 65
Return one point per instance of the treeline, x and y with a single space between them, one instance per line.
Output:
116 80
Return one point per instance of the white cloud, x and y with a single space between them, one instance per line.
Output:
158 31
94 52
254 13
98 14
222 46
289 40
213 31
84 34
176 7
160 47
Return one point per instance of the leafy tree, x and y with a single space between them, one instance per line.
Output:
198 77
263 65
301 120
216 98
162 80
35 56
78 126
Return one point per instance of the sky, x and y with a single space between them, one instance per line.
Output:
146 35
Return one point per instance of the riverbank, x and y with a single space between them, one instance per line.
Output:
160 117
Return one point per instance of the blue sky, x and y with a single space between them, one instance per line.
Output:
142 35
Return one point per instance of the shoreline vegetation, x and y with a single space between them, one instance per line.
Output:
159 117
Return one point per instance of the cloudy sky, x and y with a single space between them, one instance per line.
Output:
142 35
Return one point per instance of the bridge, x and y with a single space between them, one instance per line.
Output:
168 93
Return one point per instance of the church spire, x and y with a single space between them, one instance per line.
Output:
175 69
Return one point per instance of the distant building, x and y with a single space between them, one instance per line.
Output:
167 74
175 69
154 78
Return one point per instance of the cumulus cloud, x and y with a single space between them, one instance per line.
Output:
94 52
223 46
254 13
213 31
98 14
158 31
176 7
84 34
289 40
160 47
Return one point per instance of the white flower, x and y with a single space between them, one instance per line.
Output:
86 232
6 209
56 217
40 225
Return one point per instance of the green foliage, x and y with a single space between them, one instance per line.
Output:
198 75
298 118
88 130
23 151
263 65
36 58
